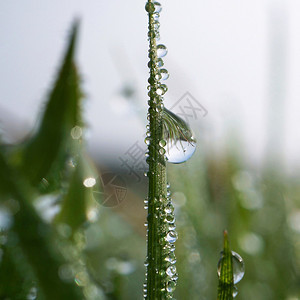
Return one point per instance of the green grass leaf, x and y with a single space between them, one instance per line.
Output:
225 288
48 149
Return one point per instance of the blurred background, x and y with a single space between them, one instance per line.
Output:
234 77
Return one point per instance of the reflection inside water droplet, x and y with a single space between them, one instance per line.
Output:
238 266
180 143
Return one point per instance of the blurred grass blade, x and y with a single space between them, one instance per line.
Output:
12 285
225 270
74 206
34 238
62 113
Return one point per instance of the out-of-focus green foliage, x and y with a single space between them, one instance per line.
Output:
31 262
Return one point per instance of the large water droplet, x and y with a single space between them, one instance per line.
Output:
238 266
179 151
181 144
161 50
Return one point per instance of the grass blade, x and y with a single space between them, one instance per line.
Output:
225 288
62 113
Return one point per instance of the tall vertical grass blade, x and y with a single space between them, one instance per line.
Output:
226 285
47 149
33 237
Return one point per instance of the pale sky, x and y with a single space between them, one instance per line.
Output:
233 56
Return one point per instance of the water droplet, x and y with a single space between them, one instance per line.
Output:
171 286
171 271
158 7
156 16
171 236
64 230
89 182
235 292
238 266
162 143
181 144
150 8
164 74
6 219
47 206
76 132
160 62
169 209
147 140
92 214
32 294
179 151
170 218
161 50
162 151
158 76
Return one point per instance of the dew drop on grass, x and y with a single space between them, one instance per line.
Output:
32 294
156 17
181 143
171 236
150 8
235 292
162 151
76 132
161 50
179 151
164 74
171 271
158 7
89 182
171 286
162 143
238 266
160 62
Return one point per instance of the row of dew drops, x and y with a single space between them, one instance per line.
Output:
168 238
168 232
179 150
